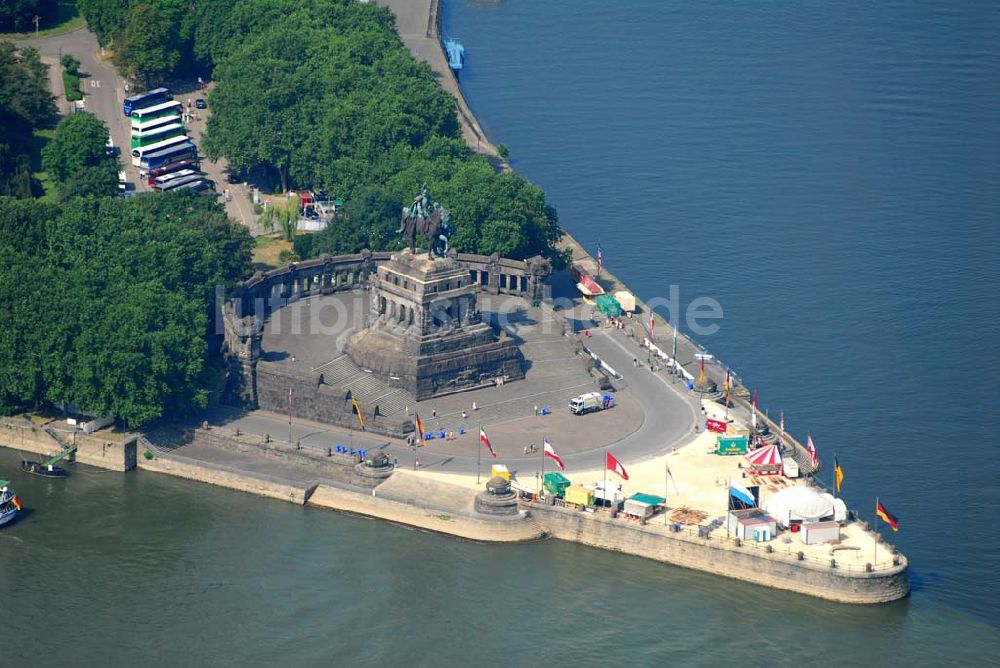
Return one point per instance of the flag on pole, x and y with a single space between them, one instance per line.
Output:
357 409
782 425
652 326
16 501
551 454
419 424
616 466
484 439
670 479
838 474
886 516
600 259
674 353
753 411
813 457
289 397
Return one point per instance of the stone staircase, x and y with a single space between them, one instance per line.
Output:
368 389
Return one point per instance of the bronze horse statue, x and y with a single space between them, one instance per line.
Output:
434 228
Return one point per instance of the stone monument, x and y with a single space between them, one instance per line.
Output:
425 333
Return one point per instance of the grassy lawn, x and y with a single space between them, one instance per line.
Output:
38 142
66 20
266 251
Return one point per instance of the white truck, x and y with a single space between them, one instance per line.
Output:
589 402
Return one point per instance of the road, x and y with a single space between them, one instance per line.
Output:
670 417
104 93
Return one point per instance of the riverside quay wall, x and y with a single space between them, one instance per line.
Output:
746 561
106 450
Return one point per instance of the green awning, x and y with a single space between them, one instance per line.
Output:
648 498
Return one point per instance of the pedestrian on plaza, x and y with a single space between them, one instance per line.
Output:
434 412
525 449
464 415
536 409
474 407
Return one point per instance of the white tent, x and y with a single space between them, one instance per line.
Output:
798 503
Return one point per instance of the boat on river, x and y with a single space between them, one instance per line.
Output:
10 505
456 54
43 470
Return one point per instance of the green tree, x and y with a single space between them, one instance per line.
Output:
105 18
115 336
370 220
25 104
18 15
147 48
91 181
81 141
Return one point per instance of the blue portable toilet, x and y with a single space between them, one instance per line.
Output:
442 434
461 431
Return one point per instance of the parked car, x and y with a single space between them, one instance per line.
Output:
200 103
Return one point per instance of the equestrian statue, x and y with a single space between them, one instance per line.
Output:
428 221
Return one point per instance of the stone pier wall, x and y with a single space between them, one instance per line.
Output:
114 452
681 549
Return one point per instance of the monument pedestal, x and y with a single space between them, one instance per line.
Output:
425 333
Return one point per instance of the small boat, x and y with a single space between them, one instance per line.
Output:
43 470
456 54
10 505
586 284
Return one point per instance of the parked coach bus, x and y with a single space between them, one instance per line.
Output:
182 182
140 151
147 125
168 155
171 168
158 134
145 100
160 181
169 109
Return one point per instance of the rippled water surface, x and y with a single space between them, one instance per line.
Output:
828 173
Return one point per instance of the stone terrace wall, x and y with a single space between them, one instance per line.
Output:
114 454
315 400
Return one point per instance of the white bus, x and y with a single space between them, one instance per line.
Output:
163 110
173 142
188 181
160 181
153 123
158 134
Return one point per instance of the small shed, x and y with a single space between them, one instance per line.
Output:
555 483
752 524
814 533
642 505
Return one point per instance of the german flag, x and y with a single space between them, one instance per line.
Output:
838 474
419 424
886 516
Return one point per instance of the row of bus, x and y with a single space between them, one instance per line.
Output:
160 145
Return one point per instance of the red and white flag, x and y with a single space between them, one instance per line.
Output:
753 411
289 396
484 439
600 260
782 424
652 326
615 466
812 450
551 454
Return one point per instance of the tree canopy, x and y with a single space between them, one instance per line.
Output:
78 160
25 104
322 95
127 288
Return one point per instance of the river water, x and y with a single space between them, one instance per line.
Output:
827 173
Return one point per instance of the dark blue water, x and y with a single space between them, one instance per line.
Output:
828 172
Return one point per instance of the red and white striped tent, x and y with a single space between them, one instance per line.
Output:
765 460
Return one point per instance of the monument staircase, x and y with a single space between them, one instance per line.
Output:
367 388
